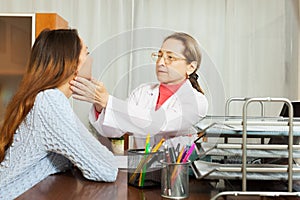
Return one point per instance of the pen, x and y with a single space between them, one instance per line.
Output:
184 152
147 150
189 153
147 144
140 179
172 154
145 161
167 155
155 149
178 161
177 149
180 155
176 175
138 168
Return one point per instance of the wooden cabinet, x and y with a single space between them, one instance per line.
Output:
48 20
17 35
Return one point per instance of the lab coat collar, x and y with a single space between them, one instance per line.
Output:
185 89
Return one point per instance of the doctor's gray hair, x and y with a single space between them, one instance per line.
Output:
192 53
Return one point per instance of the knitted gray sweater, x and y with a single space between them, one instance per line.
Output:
50 140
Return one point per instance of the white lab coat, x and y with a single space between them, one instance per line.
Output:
137 115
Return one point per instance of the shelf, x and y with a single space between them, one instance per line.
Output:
17 35
209 170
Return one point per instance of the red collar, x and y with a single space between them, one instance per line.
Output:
165 91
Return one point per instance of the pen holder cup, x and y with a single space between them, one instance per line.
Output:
144 170
175 180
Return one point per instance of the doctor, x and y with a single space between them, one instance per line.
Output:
168 108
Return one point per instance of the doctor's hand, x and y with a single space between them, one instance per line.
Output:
92 91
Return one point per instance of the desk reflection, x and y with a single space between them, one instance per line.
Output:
71 185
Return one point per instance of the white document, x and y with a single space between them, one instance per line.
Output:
122 161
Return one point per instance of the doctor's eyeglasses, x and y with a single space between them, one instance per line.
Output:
168 57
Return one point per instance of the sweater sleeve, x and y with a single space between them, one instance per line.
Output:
65 134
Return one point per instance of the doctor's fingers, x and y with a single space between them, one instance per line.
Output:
83 87
100 85
96 82
100 88
83 84
79 91
83 81
83 98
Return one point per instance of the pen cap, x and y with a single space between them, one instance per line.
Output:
189 152
172 154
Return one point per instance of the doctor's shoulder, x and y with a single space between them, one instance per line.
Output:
202 103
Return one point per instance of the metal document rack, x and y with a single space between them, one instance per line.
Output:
245 127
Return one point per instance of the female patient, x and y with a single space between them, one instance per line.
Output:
41 135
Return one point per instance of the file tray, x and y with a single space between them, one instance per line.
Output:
212 170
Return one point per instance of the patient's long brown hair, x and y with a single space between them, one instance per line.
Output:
54 58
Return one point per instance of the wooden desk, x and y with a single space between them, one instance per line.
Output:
72 185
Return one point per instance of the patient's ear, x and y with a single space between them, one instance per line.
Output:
191 67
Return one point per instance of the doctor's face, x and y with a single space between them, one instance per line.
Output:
171 65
